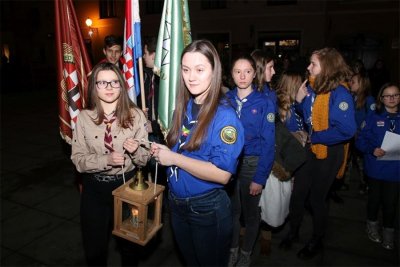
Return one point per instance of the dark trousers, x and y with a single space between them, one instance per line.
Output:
97 211
202 227
246 205
312 182
383 194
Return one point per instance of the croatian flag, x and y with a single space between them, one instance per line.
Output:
132 48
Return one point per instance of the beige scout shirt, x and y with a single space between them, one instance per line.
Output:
89 153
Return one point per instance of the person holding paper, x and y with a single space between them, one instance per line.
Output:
383 175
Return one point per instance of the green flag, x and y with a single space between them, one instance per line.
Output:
174 35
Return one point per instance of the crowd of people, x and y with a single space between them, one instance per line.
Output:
223 147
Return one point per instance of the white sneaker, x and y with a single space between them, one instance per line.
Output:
233 257
244 259
388 238
373 231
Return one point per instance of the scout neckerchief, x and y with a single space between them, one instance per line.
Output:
107 135
240 102
189 121
320 122
392 119
299 119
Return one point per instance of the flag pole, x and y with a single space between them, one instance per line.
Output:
143 98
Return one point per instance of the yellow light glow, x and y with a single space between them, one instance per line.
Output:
6 52
89 22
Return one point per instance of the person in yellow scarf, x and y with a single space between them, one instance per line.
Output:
328 111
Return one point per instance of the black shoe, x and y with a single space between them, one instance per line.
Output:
286 243
310 250
335 197
345 187
363 189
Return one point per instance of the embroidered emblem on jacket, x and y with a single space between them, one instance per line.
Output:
229 135
373 106
343 106
271 117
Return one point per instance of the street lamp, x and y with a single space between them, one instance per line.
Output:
89 23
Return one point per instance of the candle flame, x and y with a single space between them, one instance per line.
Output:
134 212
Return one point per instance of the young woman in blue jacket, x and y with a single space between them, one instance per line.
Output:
265 70
203 147
257 114
286 89
364 104
328 111
383 175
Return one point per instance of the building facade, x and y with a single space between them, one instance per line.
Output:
361 29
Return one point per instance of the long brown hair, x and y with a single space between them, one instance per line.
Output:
259 57
262 59
124 108
286 90
364 91
334 70
210 105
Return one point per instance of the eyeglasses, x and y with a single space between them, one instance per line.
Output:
395 96
103 84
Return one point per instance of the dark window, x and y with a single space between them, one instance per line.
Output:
154 6
281 2
213 4
107 9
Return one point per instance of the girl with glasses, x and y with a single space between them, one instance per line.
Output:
105 150
383 175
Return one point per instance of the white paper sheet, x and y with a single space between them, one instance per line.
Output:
391 145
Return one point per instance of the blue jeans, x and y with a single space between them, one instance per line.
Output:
202 227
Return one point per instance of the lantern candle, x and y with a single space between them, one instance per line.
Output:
135 217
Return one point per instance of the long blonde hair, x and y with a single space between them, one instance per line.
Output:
286 90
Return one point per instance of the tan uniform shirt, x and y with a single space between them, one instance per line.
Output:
89 153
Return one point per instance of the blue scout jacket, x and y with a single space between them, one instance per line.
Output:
257 115
362 113
271 94
371 137
222 147
295 122
342 124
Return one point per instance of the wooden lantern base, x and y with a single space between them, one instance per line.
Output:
147 227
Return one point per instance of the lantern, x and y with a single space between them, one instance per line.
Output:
137 209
